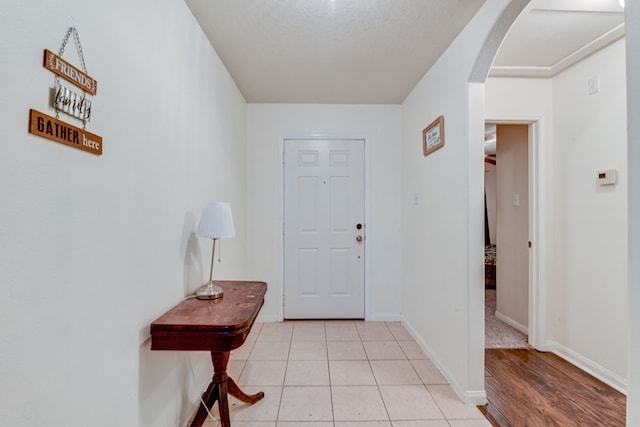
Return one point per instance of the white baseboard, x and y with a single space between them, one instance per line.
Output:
606 376
509 321
476 398
376 317
383 317
469 397
268 319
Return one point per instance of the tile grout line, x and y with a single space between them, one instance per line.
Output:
331 379
386 409
326 346
284 377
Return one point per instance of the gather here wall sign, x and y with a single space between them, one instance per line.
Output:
76 105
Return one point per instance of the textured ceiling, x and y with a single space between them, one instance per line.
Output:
551 35
330 51
375 51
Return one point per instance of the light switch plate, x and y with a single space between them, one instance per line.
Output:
594 85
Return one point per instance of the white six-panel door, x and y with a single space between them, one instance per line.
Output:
324 229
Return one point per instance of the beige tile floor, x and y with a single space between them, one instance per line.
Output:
341 374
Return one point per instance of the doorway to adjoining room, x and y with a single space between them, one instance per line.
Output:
506 235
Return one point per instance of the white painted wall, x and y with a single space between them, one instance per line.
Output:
93 249
512 270
443 236
521 100
632 17
588 299
583 263
380 126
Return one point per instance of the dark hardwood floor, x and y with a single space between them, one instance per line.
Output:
529 388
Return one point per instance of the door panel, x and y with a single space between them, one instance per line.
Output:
324 203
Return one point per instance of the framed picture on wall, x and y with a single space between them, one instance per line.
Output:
433 136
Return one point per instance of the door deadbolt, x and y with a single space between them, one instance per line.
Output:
358 238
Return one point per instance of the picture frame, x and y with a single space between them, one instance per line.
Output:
433 136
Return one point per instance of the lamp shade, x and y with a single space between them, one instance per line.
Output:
216 221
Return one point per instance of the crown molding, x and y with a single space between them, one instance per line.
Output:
590 48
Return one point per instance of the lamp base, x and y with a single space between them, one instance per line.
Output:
209 291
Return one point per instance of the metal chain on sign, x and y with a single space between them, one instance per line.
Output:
76 39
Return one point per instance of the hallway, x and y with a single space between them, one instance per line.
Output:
342 374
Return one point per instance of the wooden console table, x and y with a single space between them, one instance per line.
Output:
218 326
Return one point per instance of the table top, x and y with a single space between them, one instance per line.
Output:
215 325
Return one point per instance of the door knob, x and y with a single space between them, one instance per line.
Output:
358 238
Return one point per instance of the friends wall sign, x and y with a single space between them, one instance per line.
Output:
68 101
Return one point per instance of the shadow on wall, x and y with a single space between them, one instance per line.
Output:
192 273
167 384
167 379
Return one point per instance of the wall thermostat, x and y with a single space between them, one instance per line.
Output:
607 177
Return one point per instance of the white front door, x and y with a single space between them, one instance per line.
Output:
324 229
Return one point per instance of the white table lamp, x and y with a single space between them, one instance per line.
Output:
216 222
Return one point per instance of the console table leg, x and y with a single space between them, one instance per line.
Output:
221 385
209 396
223 405
235 391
